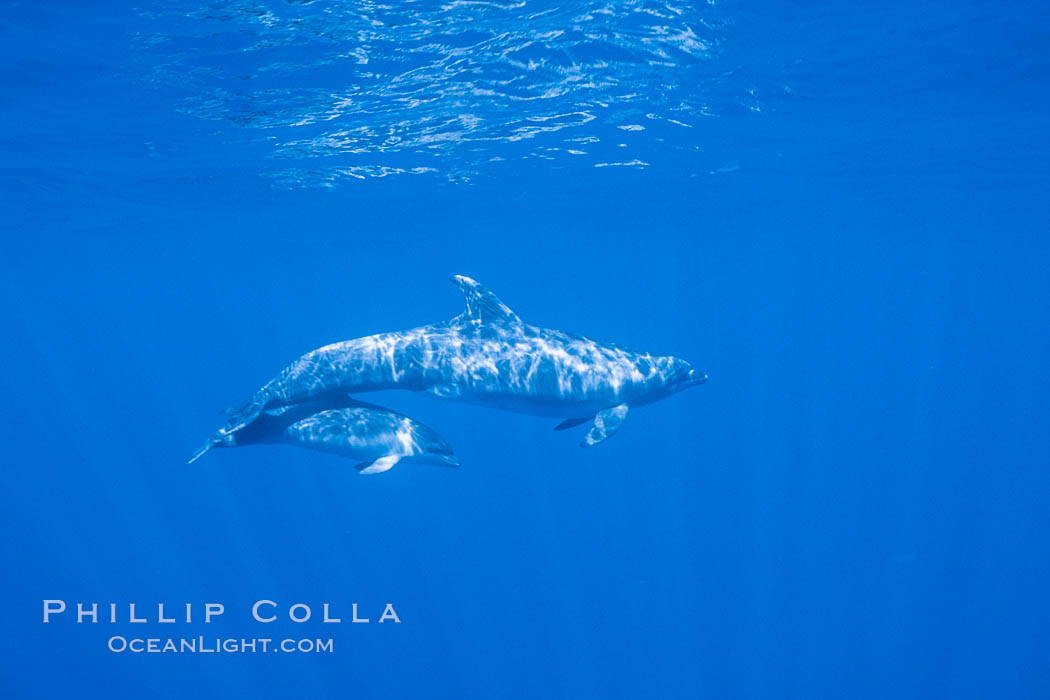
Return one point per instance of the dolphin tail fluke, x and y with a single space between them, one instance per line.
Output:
200 453
239 417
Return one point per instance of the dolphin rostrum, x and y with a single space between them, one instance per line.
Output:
374 436
488 356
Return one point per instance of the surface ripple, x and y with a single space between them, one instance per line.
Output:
355 90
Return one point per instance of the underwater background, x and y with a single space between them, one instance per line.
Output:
839 212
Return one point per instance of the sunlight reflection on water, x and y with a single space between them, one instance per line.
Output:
363 89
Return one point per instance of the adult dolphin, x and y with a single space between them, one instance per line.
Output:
487 356
372 435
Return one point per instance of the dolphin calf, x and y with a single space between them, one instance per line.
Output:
378 438
487 356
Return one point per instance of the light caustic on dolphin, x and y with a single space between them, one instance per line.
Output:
374 436
487 356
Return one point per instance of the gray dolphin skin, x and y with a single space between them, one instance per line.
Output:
375 437
487 356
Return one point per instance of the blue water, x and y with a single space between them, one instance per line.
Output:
839 212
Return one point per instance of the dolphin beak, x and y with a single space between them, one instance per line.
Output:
697 377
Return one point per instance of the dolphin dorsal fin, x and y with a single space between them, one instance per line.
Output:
482 305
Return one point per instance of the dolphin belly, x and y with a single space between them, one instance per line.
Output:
538 372
520 403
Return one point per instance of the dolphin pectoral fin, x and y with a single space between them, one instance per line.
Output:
445 391
379 466
607 422
571 423
482 305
